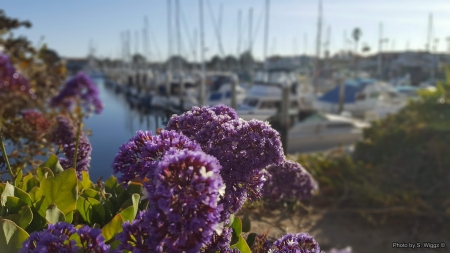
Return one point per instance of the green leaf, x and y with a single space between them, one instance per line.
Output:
38 221
54 215
91 193
8 190
25 180
237 230
29 181
128 214
251 239
61 190
134 187
11 236
53 164
241 245
22 195
14 204
23 218
98 211
43 173
246 224
110 185
133 201
113 227
18 177
85 209
109 210
69 217
86 181
36 194
237 226
115 244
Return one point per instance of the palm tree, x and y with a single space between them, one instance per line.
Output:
356 34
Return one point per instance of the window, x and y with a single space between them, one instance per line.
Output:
228 94
315 118
360 96
251 102
294 104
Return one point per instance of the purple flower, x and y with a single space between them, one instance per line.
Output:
65 135
242 148
289 181
83 155
220 241
79 88
141 154
11 80
54 239
199 123
295 243
92 240
65 132
225 110
134 236
183 200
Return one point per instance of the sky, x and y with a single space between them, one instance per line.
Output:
68 26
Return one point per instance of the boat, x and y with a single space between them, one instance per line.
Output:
324 131
362 97
161 100
263 99
219 87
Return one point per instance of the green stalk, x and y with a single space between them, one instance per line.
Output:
5 157
76 146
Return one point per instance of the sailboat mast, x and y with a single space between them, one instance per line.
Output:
380 45
202 55
430 28
266 34
318 43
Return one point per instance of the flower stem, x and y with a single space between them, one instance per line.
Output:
76 146
5 157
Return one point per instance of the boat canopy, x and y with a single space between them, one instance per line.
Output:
352 88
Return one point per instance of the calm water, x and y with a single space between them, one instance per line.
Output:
118 122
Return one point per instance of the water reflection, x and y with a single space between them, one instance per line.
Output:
116 125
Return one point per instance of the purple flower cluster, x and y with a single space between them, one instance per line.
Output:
92 240
79 88
183 204
140 156
134 235
242 148
11 80
220 241
295 243
289 180
83 155
200 123
56 238
65 135
65 131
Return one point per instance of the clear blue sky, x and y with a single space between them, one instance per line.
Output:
68 25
